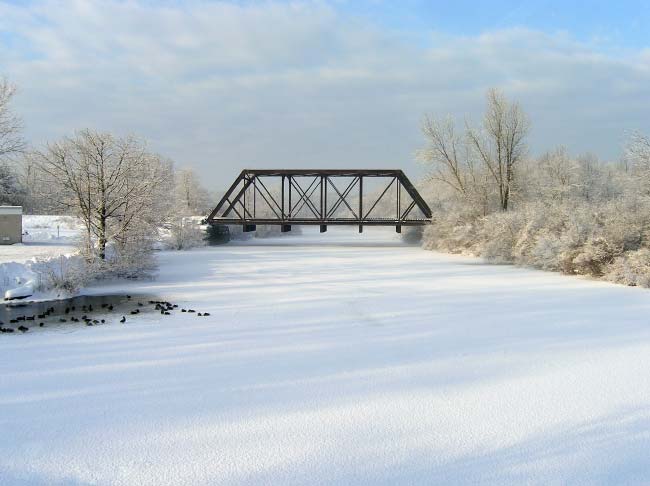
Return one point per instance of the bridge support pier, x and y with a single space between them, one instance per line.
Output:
360 228
285 228
398 228
249 227
323 228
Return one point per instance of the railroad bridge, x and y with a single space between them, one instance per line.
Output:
321 197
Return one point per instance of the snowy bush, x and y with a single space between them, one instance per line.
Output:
592 258
499 235
632 268
62 273
186 233
546 252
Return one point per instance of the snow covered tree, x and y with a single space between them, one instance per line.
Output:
113 184
479 165
190 203
11 140
191 196
501 145
12 191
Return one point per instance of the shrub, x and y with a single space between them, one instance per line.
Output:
631 268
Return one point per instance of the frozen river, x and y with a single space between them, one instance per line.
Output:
337 359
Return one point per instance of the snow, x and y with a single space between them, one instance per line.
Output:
46 239
337 359
21 292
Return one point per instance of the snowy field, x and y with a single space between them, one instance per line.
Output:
45 237
47 240
338 359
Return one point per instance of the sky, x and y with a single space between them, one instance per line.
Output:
219 86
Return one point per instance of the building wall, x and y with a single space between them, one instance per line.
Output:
11 228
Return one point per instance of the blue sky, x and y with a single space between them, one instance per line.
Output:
622 23
218 86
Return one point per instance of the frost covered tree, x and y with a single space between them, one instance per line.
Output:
501 143
190 195
11 140
478 164
576 215
11 144
190 202
448 154
638 153
113 184
12 192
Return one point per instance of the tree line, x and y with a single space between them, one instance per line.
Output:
573 214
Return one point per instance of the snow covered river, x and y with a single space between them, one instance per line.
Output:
338 359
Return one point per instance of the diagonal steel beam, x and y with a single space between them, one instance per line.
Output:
342 198
303 196
379 198
309 194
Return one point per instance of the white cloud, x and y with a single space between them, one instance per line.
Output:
220 86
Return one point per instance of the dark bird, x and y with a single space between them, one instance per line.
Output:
62 320
110 307
103 321
200 315
67 310
191 310
206 314
23 328
89 323
7 329
41 324
123 320
128 296
30 318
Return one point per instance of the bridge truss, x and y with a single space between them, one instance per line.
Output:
321 197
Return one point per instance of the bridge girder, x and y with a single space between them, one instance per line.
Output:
320 197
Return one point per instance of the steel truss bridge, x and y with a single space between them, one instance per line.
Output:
321 197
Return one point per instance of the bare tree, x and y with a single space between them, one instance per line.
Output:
500 145
447 152
638 152
190 201
191 196
112 184
478 164
11 140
